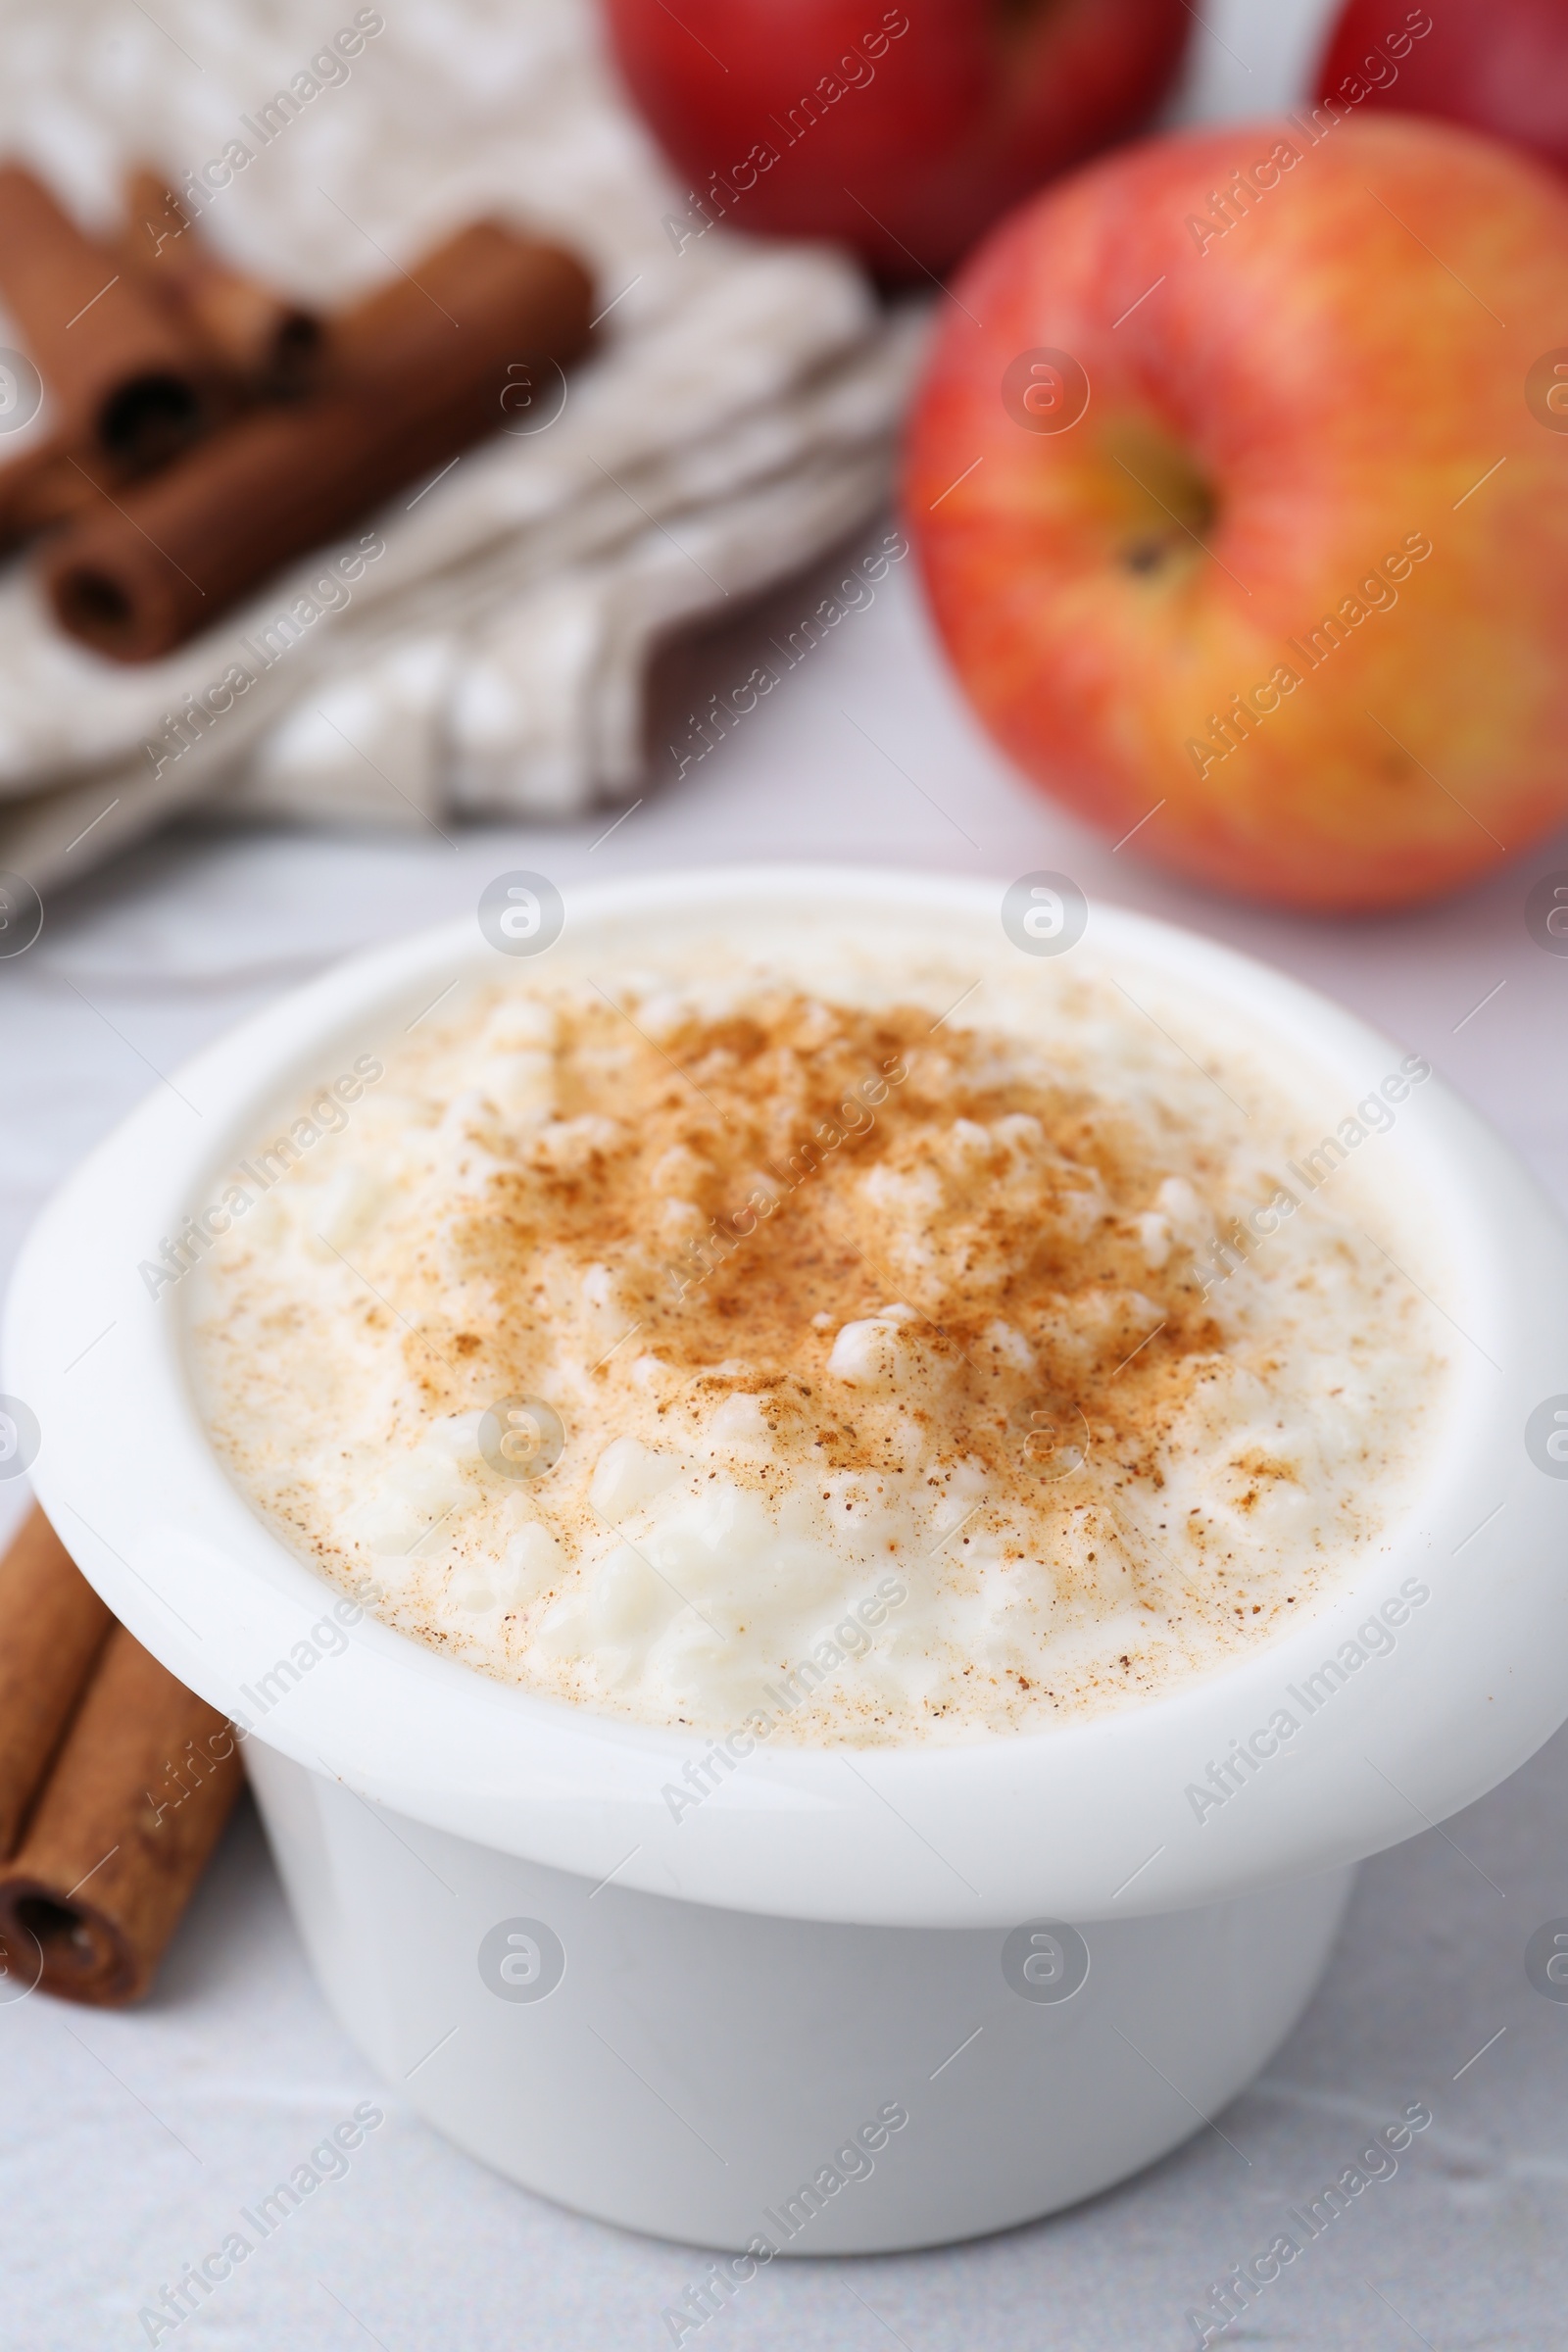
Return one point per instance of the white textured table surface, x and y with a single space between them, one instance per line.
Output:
130 2143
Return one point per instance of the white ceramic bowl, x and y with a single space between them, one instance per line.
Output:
823 1939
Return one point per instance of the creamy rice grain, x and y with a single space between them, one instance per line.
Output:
820 1294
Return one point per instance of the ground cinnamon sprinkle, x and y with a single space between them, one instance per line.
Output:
757 1195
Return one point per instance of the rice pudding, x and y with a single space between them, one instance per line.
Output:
956 1354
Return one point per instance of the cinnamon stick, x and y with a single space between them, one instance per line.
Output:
119 1834
134 382
273 346
419 375
263 345
52 1626
48 486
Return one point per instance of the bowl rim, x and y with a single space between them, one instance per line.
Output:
1089 1819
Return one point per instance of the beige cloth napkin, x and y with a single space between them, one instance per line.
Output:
490 659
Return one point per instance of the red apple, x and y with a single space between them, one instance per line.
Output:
1239 480
1496 65
901 134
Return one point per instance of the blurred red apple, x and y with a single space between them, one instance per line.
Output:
1496 65
1239 480
901 135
